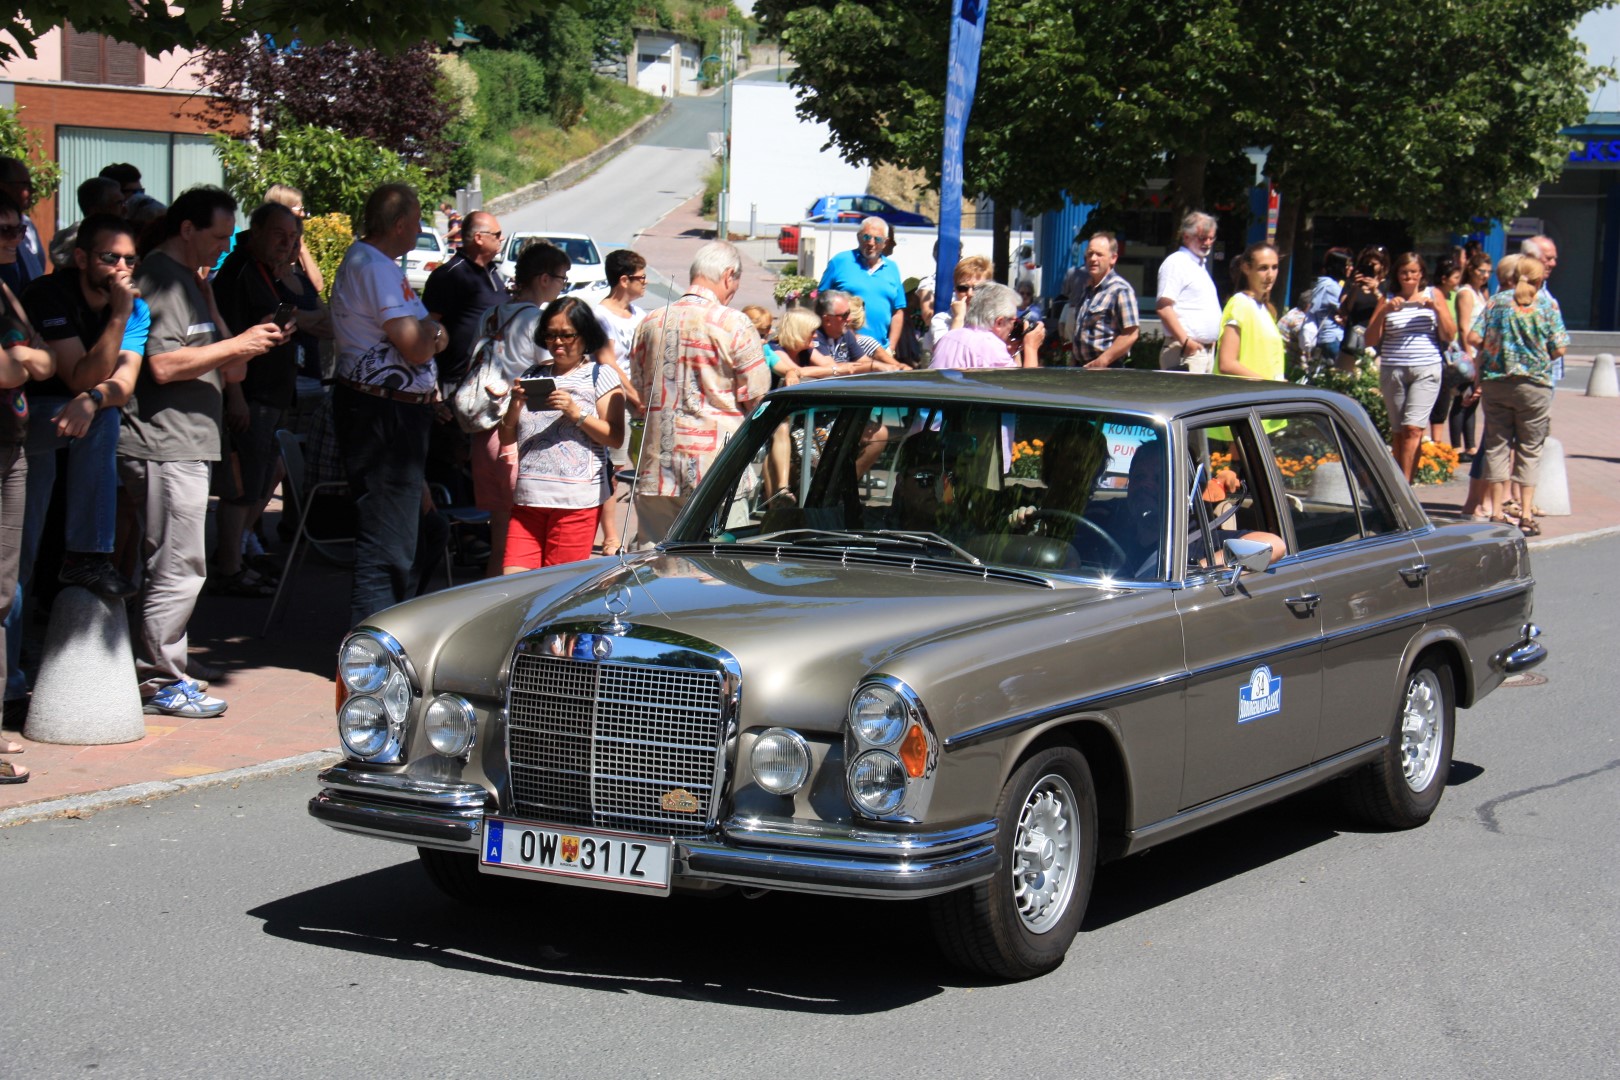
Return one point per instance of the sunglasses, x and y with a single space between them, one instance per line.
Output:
561 337
11 232
868 238
558 277
113 258
636 277
486 232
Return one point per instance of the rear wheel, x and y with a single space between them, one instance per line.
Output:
1021 922
1402 788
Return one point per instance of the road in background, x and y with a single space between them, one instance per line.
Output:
223 932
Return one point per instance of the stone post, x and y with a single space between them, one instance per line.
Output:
86 692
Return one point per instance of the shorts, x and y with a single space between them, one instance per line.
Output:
256 457
494 471
1409 393
545 535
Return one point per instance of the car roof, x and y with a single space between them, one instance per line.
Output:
553 232
1158 393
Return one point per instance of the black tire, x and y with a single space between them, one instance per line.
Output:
982 928
456 874
1383 793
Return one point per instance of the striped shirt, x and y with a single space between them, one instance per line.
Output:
1411 337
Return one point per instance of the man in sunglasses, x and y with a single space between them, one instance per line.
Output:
459 292
865 273
95 324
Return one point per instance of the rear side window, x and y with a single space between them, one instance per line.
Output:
1330 494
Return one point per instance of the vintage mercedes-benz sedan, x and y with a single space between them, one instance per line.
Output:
947 635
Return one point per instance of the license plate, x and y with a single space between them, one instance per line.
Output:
604 858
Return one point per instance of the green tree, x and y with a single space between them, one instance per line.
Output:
335 173
158 25
18 142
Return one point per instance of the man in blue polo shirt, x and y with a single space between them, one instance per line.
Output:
865 273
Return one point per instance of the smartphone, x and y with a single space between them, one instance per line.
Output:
536 391
284 314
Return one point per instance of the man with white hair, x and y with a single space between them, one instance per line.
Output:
987 339
1543 248
865 273
699 367
1188 305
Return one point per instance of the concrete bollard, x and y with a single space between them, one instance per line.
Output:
1602 382
1552 493
86 694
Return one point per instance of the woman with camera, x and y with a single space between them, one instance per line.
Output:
1358 302
1410 330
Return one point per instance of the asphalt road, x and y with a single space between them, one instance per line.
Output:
226 933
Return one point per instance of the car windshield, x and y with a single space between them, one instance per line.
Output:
580 250
1060 491
427 241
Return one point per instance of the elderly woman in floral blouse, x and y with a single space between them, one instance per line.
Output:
1519 334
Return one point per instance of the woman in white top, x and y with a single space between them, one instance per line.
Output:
1410 329
562 442
620 318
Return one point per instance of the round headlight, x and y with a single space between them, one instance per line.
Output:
781 761
396 697
878 715
363 726
877 783
450 724
363 664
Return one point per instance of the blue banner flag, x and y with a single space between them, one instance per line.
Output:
967 35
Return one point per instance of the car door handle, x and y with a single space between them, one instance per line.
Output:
1304 604
1416 573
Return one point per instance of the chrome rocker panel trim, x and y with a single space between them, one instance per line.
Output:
425 813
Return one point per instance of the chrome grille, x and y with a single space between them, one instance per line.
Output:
601 744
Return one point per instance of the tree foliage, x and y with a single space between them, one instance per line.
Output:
18 142
160 25
393 99
1434 113
336 173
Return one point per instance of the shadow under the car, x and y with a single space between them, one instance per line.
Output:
782 951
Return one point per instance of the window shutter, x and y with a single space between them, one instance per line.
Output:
126 64
81 56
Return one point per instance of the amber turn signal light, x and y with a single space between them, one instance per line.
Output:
914 751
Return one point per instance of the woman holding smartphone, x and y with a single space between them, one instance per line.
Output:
564 417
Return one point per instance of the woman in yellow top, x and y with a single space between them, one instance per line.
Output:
1250 345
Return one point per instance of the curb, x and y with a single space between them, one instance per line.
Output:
1574 538
575 171
82 806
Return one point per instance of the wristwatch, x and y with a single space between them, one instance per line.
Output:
96 397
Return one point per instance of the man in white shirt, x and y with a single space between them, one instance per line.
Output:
1543 248
1188 306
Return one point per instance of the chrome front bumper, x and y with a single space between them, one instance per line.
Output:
750 852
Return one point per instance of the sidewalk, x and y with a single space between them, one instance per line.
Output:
280 687
670 244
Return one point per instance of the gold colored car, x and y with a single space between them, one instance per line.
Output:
953 635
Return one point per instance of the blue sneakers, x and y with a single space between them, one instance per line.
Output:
183 698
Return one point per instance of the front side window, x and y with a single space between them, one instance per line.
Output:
1048 490
1331 497
1228 498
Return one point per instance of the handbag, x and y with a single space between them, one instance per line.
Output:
476 406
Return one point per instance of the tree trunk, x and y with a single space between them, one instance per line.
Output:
1187 187
1290 212
1001 240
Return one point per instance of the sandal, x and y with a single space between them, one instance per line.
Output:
13 774
1530 526
1511 508
243 583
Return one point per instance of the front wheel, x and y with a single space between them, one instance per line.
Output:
1021 922
1402 788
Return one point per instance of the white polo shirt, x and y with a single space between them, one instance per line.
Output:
1184 281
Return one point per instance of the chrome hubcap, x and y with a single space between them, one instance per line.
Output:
1422 727
1046 849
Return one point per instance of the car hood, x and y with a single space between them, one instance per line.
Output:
803 631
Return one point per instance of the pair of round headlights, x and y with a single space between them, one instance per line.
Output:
372 720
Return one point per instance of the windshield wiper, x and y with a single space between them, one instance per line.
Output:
876 539
928 539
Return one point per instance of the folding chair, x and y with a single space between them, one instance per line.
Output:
299 500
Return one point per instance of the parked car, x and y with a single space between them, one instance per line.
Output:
787 240
587 273
955 635
430 253
858 207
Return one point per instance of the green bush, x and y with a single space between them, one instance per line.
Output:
328 237
1360 385
512 90
711 190
335 173
18 142
1144 354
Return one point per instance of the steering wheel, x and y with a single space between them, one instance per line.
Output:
1079 524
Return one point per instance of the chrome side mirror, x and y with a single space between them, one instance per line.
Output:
1251 555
